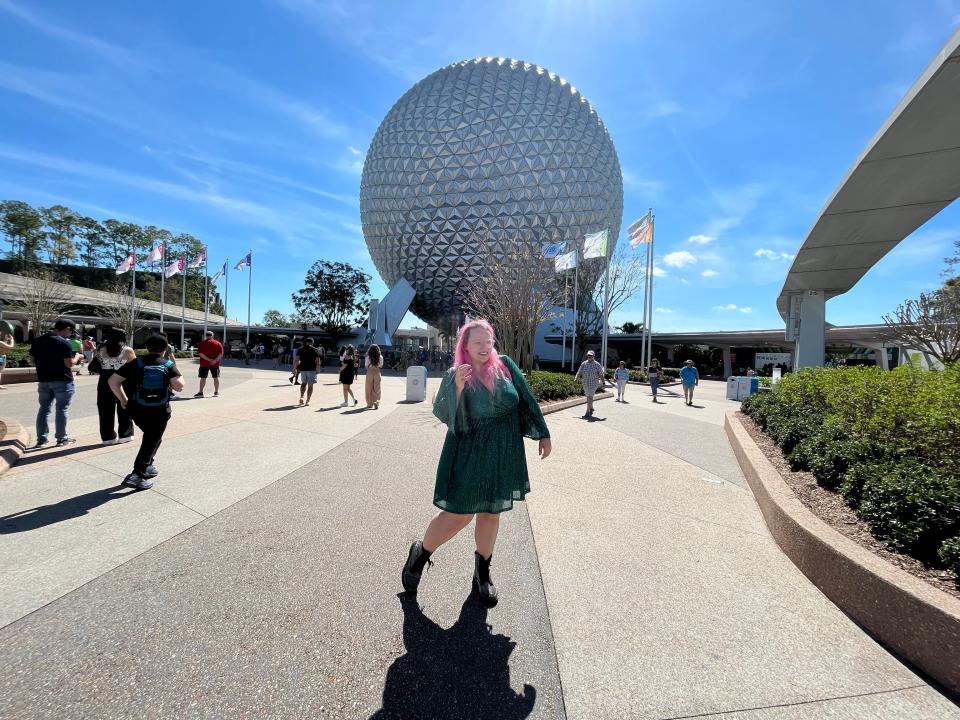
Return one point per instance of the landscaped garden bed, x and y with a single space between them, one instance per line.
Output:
873 454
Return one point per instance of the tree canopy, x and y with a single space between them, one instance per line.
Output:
335 296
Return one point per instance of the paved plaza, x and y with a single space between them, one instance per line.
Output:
260 577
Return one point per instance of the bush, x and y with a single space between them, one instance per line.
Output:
788 431
912 508
759 407
553 385
19 356
950 557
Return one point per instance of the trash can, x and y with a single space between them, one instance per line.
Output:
416 383
733 388
747 386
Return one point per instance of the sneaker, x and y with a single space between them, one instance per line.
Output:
216 394
301 402
114 441
150 472
40 444
125 439
199 395
343 404
138 481
63 442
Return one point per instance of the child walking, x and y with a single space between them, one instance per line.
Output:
621 375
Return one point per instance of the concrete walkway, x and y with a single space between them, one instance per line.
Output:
260 577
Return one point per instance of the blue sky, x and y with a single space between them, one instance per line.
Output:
246 123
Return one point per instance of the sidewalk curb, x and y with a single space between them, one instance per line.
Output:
13 442
909 617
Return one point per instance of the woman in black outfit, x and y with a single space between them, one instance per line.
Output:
113 354
348 372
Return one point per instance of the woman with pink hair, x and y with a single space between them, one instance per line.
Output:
488 409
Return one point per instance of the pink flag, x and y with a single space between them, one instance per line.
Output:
126 264
174 268
156 254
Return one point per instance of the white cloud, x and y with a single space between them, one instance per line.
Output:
701 239
663 310
679 258
772 254
709 273
353 150
639 185
659 271
730 306
746 310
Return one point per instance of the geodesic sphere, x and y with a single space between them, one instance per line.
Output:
485 153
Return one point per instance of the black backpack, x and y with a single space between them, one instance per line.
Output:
153 388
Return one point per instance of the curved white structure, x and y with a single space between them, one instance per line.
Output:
908 173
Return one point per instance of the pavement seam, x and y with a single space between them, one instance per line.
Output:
546 604
673 455
794 704
655 508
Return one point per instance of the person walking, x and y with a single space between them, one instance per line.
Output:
590 374
371 385
306 364
89 348
211 354
348 373
621 375
55 359
295 373
6 343
488 409
114 354
654 376
151 378
690 379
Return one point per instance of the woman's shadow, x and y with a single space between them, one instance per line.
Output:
456 674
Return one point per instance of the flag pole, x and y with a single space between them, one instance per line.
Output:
206 289
249 294
606 307
576 291
183 305
566 294
133 292
226 297
646 287
163 280
650 295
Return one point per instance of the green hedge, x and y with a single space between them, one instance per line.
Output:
886 441
548 386
19 356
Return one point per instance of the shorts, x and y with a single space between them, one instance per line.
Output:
209 371
308 377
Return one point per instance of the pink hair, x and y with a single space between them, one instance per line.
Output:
494 364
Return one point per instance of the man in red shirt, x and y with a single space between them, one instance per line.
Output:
211 353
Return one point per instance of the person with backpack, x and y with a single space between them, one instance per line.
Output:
143 389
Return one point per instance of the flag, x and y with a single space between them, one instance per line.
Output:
551 250
174 268
199 259
567 261
243 263
595 245
641 231
126 264
156 253
220 273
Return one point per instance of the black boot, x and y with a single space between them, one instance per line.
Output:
413 567
482 582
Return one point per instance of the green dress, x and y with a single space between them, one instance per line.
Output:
483 466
